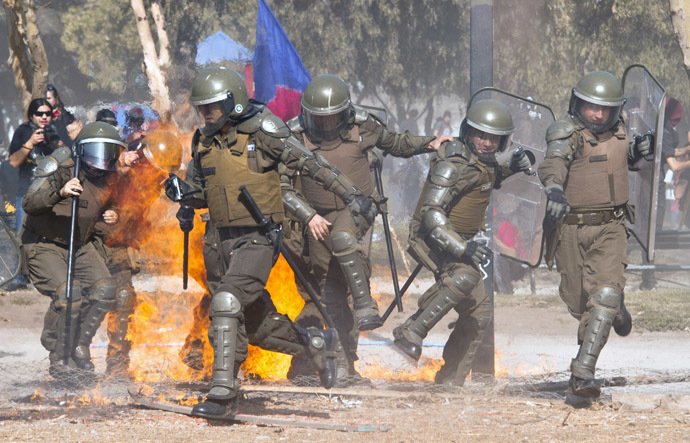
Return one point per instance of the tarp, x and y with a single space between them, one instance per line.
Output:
220 47
279 74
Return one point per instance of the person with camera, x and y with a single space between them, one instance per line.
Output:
33 140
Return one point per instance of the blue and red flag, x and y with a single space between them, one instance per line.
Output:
279 75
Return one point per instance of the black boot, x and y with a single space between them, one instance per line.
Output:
212 408
623 321
412 350
584 388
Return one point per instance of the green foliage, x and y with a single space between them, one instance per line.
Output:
566 39
103 36
660 310
404 51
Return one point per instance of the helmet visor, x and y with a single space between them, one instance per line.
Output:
101 154
595 117
326 127
210 117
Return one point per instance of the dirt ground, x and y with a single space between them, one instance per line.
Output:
646 395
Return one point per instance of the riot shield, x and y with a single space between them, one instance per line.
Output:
520 203
10 259
644 112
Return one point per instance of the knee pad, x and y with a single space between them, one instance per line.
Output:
344 242
225 304
461 284
607 297
60 300
104 290
125 299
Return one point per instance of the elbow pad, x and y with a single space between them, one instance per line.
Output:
439 236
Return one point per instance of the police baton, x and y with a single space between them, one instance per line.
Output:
389 239
405 287
76 154
265 225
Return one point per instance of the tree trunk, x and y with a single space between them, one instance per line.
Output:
28 59
680 10
155 65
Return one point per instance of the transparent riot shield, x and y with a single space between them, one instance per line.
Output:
520 203
10 261
644 112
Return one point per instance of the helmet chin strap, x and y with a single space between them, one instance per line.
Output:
211 129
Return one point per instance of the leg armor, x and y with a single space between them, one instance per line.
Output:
348 252
119 318
606 302
462 345
409 335
101 300
226 314
623 322
335 298
65 328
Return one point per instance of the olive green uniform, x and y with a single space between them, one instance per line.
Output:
45 239
350 155
590 253
458 187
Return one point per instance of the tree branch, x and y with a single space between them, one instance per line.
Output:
152 67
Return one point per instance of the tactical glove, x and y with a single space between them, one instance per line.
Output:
185 215
176 188
644 144
477 252
364 206
520 161
557 205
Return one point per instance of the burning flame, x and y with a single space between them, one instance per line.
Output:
9 208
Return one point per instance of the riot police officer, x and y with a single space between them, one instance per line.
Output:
585 175
450 211
345 134
239 142
46 235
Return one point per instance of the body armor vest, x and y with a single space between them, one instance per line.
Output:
224 170
349 158
598 174
55 225
468 215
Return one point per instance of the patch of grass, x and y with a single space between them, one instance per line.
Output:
528 300
660 310
23 300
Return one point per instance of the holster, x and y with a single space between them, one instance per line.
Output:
420 252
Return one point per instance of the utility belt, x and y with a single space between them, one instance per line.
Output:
594 218
232 232
38 238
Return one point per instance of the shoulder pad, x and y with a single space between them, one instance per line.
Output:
274 126
295 125
444 174
62 154
46 166
560 129
267 122
455 148
362 114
